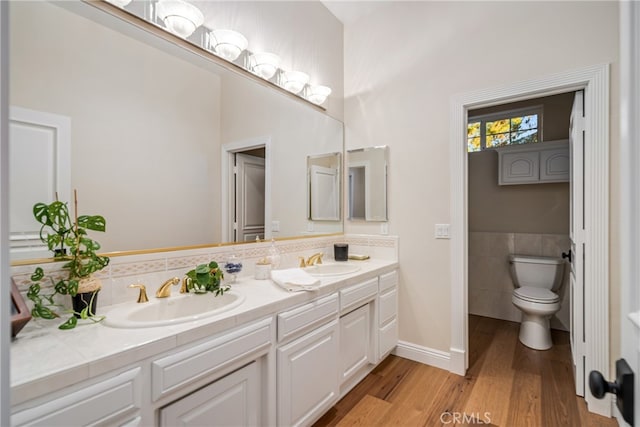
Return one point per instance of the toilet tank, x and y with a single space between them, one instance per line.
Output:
536 271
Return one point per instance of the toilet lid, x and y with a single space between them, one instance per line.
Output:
541 295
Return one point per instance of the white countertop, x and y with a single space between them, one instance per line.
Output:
44 358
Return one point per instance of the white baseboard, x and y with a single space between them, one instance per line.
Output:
428 356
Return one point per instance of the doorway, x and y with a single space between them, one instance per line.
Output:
516 210
594 81
246 176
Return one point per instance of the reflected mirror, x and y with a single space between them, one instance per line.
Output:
143 130
367 183
324 183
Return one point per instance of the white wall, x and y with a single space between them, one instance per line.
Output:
403 63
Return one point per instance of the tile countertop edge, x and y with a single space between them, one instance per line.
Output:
142 343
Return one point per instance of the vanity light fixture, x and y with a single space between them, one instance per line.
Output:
228 44
318 94
119 3
294 81
179 17
264 64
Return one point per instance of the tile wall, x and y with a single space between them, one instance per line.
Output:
490 285
153 269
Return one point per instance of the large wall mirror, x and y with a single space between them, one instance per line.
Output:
146 132
367 183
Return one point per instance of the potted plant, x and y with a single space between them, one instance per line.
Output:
205 278
67 238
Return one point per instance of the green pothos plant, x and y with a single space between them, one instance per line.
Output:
206 278
67 238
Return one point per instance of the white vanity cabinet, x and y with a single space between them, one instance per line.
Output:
307 361
217 382
543 162
387 314
233 400
357 331
112 399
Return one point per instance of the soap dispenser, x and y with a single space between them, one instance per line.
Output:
274 255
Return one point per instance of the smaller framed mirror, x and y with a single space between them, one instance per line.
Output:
324 183
367 183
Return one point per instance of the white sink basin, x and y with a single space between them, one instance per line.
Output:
172 310
331 269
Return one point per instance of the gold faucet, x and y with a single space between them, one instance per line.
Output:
312 260
165 290
142 296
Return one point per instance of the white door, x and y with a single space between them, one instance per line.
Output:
629 228
577 236
250 198
323 186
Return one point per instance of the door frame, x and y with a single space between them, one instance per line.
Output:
228 151
629 174
595 82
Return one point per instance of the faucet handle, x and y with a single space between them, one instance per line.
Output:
142 296
303 263
184 288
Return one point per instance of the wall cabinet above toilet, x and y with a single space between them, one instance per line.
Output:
540 163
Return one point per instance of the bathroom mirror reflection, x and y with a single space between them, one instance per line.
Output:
144 123
367 183
324 183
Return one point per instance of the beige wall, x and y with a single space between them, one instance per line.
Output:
540 208
530 208
403 64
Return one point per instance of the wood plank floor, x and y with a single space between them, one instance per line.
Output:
507 384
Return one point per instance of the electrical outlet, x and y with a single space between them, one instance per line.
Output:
442 231
310 226
275 225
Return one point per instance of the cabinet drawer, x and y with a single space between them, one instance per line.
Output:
173 372
358 294
388 306
388 280
388 337
99 403
293 322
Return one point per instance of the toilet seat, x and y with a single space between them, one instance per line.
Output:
536 295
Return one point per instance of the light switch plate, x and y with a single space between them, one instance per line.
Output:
384 228
442 231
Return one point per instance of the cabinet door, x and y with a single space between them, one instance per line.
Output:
230 401
308 376
519 168
355 341
554 165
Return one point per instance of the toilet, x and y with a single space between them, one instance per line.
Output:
536 281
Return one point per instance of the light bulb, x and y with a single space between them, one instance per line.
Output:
294 81
228 44
265 64
179 17
319 94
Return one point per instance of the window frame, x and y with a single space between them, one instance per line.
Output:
501 115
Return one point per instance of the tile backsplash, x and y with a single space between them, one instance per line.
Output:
153 269
490 284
